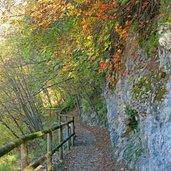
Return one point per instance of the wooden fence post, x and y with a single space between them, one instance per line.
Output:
49 149
68 128
60 119
60 141
68 134
24 162
72 131
66 118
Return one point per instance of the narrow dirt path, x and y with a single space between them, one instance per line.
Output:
90 152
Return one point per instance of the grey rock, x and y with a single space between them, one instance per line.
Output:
155 118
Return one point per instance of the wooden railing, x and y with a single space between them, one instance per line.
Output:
22 142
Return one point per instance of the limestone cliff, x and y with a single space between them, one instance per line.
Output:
139 108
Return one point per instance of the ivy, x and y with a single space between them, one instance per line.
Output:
133 118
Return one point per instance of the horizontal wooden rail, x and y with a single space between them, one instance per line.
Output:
42 159
10 146
63 115
22 141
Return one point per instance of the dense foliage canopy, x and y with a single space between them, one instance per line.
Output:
55 50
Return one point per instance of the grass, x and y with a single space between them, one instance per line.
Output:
9 163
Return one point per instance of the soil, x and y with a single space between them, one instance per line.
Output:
91 150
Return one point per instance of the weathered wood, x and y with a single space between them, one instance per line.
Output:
48 156
60 141
24 162
66 118
10 146
60 119
42 159
72 130
63 115
68 134
49 149
73 121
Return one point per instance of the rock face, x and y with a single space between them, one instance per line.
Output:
146 144
94 115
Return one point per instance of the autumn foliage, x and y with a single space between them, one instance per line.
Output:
44 13
100 28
